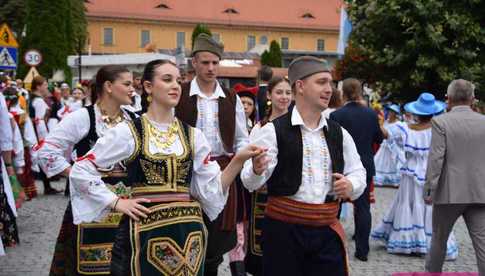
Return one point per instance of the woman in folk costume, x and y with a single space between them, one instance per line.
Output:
248 99
39 113
8 225
172 182
390 156
78 101
17 107
406 228
279 99
11 98
85 249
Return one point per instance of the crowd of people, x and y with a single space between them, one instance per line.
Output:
166 175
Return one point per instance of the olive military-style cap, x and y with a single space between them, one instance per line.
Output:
306 66
205 43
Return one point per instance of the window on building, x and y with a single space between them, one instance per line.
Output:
162 6
231 11
263 40
145 38
308 16
216 37
251 42
285 43
180 39
108 36
320 45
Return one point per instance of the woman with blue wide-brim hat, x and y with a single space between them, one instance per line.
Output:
390 156
406 228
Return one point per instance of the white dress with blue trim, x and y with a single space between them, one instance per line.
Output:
407 226
390 156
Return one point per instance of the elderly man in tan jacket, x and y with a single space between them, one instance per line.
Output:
455 177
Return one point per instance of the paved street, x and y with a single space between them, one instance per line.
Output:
39 221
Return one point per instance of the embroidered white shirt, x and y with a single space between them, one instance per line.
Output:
208 119
90 197
52 157
316 171
6 134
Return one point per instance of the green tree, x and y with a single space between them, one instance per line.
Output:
417 45
76 26
266 58
13 13
55 28
274 56
199 29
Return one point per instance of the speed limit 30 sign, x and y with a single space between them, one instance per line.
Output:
32 57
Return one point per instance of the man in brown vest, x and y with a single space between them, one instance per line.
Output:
219 113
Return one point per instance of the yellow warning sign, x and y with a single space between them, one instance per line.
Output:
7 38
30 76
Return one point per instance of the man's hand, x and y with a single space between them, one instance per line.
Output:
342 187
260 163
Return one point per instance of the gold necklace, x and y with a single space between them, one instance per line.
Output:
111 121
163 139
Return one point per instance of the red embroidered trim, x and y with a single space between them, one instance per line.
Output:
41 144
91 157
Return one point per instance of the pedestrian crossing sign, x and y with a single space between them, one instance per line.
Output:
8 58
7 38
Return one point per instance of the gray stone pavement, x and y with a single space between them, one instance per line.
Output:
39 221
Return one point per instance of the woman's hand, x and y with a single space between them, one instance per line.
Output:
247 152
132 207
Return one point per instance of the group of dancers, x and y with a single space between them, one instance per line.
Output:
170 189
164 191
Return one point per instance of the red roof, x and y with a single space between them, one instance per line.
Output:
320 14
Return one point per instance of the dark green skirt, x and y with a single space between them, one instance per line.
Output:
254 256
171 241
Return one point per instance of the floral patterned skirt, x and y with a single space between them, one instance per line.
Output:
170 241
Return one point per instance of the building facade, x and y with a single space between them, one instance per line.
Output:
130 26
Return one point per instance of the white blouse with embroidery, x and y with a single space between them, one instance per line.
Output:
91 198
53 154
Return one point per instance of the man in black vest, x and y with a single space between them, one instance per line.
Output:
219 114
312 164
363 125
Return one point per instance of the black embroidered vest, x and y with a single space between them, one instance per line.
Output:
186 110
85 145
31 107
159 173
286 177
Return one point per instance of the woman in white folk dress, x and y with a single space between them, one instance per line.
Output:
407 227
